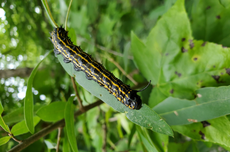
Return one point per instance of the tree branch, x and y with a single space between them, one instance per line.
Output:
20 72
50 128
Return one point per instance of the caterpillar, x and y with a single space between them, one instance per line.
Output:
93 69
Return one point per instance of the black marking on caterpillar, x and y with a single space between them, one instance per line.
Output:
94 70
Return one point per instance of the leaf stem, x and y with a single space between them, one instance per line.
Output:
122 70
76 92
59 138
70 3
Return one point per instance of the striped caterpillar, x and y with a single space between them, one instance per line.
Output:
94 70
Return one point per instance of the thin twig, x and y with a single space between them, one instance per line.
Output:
76 92
15 139
50 128
122 70
112 51
105 49
136 71
59 138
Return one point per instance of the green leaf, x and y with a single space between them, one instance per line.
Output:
92 10
46 7
130 136
66 146
77 16
160 140
17 115
52 112
69 123
104 95
2 123
4 140
1 108
172 147
149 119
145 139
20 128
214 13
28 102
177 64
72 35
214 131
210 103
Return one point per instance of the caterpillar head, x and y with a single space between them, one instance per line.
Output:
134 100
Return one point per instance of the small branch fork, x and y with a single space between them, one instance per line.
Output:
15 139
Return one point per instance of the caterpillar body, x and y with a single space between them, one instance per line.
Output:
93 70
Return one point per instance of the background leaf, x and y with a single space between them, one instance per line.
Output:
4 140
52 112
17 115
210 103
211 22
215 131
69 122
28 102
177 64
2 123
20 128
144 137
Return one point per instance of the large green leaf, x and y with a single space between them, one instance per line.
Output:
103 94
210 103
28 102
69 124
177 64
52 112
210 21
214 131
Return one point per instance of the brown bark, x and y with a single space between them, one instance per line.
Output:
20 72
